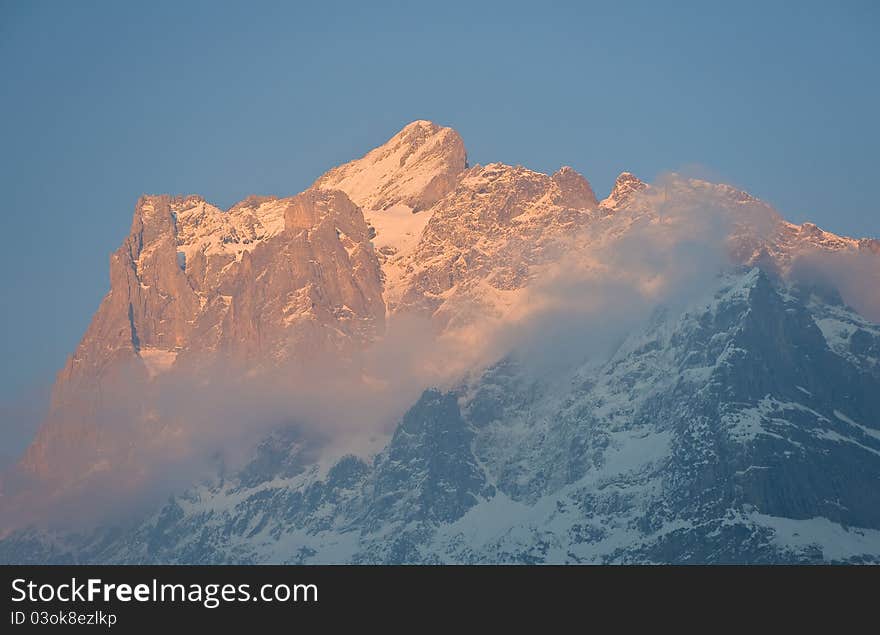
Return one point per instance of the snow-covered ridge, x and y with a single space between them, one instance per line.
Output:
203 227
422 171
416 167
758 234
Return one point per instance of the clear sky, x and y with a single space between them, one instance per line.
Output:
100 102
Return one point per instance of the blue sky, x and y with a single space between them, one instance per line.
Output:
101 102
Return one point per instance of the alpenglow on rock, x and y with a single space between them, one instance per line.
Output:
265 283
416 168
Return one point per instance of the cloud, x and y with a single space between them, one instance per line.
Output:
21 415
855 275
603 287
138 440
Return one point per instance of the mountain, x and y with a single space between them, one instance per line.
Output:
742 429
672 374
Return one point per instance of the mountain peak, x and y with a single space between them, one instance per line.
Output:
575 189
414 168
420 124
625 187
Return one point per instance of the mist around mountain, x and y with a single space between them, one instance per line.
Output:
419 360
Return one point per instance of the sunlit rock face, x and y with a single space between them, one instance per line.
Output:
416 167
626 187
486 237
740 426
260 286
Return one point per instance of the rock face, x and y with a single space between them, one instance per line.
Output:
266 283
486 237
625 188
739 428
191 278
428 472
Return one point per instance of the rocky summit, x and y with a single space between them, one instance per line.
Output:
672 374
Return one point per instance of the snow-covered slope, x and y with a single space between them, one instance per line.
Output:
415 168
741 429
397 183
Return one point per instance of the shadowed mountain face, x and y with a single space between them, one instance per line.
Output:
622 409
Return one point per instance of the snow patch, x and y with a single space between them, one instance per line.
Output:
869 431
835 541
157 360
